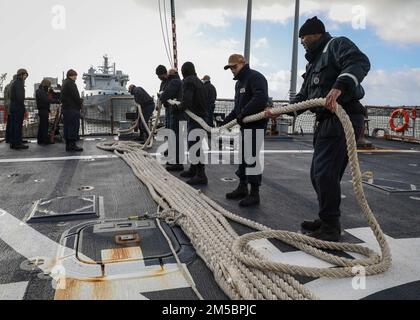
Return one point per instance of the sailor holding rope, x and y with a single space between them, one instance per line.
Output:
335 69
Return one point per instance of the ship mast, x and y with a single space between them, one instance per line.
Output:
106 65
174 40
293 82
248 32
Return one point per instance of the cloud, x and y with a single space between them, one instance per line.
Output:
133 40
394 21
279 83
395 88
261 43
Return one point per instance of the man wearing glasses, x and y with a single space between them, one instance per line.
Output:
251 97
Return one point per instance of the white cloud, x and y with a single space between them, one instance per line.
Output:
133 40
257 62
394 21
279 83
382 87
393 88
261 43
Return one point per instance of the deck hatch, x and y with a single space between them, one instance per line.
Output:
120 241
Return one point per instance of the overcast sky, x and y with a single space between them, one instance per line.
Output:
50 36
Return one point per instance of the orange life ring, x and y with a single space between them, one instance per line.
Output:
404 126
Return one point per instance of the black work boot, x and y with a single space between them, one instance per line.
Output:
240 192
311 226
190 173
200 178
253 199
18 147
328 231
77 148
72 147
69 147
174 167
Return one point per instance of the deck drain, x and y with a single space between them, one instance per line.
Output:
86 188
228 179
13 175
32 264
89 160
44 275
62 224
39 180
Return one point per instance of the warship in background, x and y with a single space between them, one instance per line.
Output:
106 97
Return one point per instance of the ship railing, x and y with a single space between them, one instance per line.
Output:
107 123
376 120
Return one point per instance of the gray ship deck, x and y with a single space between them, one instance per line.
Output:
287 199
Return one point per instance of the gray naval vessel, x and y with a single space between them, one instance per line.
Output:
101 84
90 213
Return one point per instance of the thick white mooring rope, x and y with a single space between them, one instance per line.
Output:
151 133
241 271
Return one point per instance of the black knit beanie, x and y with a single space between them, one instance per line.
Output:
312 26
188 69
161 70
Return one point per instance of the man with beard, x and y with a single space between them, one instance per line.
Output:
336 67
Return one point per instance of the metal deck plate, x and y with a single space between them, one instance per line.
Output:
64 208
393 186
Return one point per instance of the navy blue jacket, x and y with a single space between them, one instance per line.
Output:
142 97
70 96
17 95
211 94
43 101
173 90
251 97
194 97
335 63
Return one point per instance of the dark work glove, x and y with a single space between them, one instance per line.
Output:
240 119
223 123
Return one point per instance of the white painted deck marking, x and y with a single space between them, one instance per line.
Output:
25 160
30 243
13 291
405 269
105 157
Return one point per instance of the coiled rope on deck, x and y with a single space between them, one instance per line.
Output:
150 132
241 271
